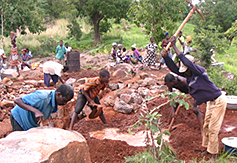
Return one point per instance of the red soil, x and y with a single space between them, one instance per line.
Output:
185 139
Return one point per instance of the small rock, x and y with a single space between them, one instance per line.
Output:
118 93
5 80
148 82
121 85
136 107
137 98
139 82
120 73
109 101
143 91
228 75
113 86
126 98
70 81
31 82
7 103
122 107
144 75
82 80
135 86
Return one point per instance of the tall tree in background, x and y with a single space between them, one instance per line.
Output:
158 16
20 15
98 10
219 14
222 13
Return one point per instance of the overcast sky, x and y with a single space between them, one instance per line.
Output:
195 2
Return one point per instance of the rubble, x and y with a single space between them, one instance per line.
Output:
122 107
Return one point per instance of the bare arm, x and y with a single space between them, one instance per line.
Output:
91 102
38 115
60 78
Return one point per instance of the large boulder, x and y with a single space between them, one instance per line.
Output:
44 145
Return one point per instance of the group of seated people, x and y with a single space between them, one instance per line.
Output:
121 56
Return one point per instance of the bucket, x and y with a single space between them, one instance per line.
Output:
230 145
231 102
73 61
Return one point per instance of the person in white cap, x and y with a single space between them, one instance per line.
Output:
119 54
113 51
203 90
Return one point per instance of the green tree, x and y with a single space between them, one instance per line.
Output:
206 36
98 10
19 15
222 13
231 33
56 9
158 16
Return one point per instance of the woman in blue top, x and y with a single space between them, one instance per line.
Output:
25 59
60 51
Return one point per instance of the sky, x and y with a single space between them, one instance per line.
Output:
195 2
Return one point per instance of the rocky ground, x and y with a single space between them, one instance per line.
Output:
122 103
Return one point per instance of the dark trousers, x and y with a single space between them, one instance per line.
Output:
15 124
47 79
81 102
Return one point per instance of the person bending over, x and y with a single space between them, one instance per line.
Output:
181 84
203 90
89 94
53 70
34 108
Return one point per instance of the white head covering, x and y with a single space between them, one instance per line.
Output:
120 45
114 43
184 68
134 46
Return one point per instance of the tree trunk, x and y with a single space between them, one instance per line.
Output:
96 18
96 32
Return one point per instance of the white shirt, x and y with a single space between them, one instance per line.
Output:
1 52
68 49
52 68
187 48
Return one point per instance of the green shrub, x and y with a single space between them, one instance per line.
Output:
74 30
220 81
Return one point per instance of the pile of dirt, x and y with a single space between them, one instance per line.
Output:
110 150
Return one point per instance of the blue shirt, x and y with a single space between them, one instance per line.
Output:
60 52
43 100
